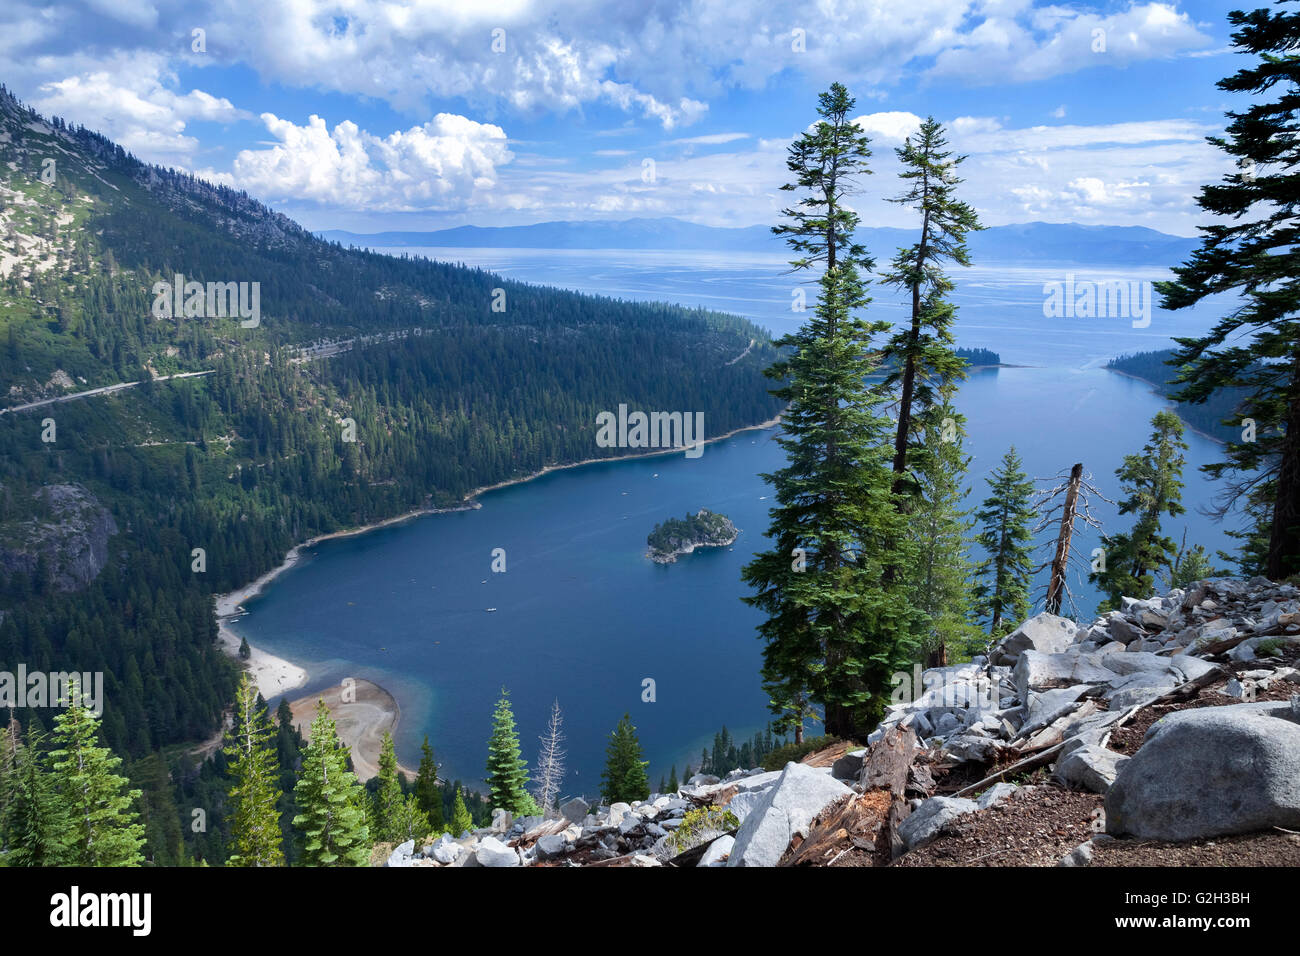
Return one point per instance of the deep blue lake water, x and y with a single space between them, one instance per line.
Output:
584 618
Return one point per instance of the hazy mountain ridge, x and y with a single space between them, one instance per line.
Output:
1033 241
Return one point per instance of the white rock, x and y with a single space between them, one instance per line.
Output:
1089 768
996 794
742 804
401 856
492 852
924 824
445 849
1046 633
1037 670
786 809
1211 771
718 851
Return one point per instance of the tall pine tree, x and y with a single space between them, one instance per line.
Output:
35 827
93 800
389 801
624 778
1249 251
507 777
1153 483
331 817
836 629
427 792
1006 522
254 772
941 526
921 354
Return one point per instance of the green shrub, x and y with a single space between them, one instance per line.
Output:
700 826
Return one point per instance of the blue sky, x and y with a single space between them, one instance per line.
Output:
368 115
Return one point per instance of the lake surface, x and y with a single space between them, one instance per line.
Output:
583 617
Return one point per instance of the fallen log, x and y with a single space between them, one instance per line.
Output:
717 798
1027 763
1189 689
1218 647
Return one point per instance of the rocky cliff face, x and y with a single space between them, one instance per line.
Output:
1174 719
71 533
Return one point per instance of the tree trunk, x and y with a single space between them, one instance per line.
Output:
839 721
1284 535
905 396
1056 585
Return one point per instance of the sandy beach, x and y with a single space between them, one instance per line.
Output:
273 675
361 722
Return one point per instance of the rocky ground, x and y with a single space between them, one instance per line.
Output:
1165 733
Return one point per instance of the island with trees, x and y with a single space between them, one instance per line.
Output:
678 536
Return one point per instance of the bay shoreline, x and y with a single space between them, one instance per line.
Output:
277 676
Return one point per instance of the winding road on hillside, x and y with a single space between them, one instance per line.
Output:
102 390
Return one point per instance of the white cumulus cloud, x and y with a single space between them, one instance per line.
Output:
442 165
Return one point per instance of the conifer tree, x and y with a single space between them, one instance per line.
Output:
102 825
331 819
1247 251
1153 483
427 793
412 823
1006 521
673 785
389 801
35 828
254 773
940 527
624 778
461 821
836 628
507 777
10 742
922 354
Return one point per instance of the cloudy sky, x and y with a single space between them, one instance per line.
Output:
415 114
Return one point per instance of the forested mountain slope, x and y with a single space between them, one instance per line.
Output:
445 394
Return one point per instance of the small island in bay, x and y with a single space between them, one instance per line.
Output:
678 536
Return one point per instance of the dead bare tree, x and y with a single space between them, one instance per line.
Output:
550 763
1065 502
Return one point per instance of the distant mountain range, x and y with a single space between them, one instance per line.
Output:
1033 241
